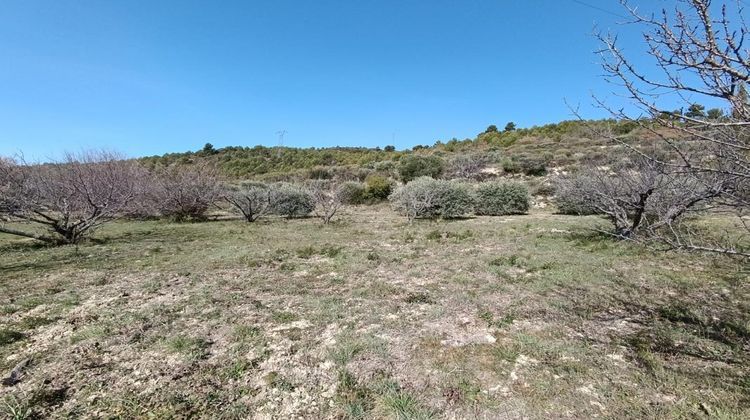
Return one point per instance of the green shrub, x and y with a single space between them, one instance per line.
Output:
378 187
456 199
291 200
414 166
573 195
502 198
511 166
531 166
428 198
353 193
542 188
319 173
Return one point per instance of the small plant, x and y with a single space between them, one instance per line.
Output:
419 297
8 336
283 317
17 409
403 405
274 380
434 235
511 261
194 348
306 252
460 236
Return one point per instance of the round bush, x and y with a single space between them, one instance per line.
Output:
456 199
378 187
502 198
353 193
291 200
426 197
574 195
414 166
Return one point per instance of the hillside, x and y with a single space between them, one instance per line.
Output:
558 144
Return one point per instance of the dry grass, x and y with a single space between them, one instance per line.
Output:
371 317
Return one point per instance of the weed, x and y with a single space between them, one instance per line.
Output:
404 406
244 333
8 336
275 380
419 297
195 348
16 408
434 235
283 317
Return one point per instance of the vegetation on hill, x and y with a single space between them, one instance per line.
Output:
560 142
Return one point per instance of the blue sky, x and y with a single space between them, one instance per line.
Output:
150 77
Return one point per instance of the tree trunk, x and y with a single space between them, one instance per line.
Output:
16 232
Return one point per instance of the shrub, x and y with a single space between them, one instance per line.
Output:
511 166
291 200
414 166
319 173
353 192
573 195
502 198
378 187
531 166
427 198
456 199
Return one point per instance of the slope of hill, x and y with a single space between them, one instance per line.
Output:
557 144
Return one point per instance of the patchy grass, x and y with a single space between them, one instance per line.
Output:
372 317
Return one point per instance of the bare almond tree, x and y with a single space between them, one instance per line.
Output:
643 200
185 192
70 198
698 52
465 166
328 197
252 200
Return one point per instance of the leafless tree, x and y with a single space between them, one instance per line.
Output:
251 200
328 197
69 198
185 192
465 166
698 52
643 200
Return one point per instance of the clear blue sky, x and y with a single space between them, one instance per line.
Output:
150 77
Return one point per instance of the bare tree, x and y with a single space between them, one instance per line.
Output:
251 200
185 192
643 200
69 198
465 166
328 197
698 51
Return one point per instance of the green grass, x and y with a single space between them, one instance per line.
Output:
372 317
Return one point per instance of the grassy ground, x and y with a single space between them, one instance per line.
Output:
525 316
